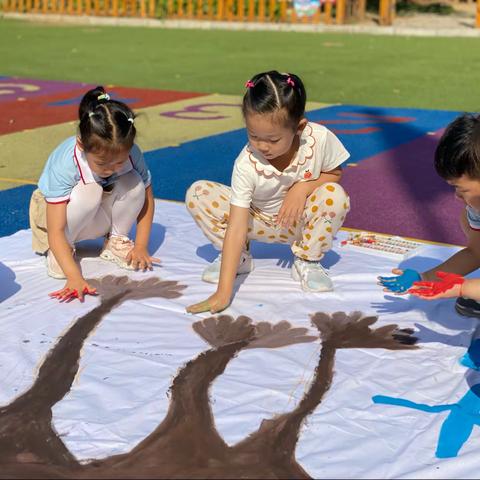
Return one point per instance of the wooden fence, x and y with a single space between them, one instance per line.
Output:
281 11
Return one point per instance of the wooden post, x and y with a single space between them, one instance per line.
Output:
151 8
328 12
477 22
271 10
241 10
261 10
362 8
220 9
283 10
251 10
387 12
340 14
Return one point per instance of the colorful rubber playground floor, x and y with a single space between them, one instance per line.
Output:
187 136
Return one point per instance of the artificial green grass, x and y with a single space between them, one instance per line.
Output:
440 73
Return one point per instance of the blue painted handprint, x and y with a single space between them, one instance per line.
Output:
401 282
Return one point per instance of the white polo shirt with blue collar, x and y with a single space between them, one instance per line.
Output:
67 166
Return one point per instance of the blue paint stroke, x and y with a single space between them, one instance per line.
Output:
463 416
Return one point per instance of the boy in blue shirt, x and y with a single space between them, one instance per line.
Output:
457 161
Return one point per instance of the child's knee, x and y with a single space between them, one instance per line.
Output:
130 183
85 196
330 196
195 193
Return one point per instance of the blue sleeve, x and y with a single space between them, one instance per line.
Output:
473 218
60 174
140 166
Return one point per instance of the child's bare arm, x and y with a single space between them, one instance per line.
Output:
76 286
294 202
466 260
235 238
139 256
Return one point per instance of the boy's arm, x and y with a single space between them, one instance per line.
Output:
466 260
235 238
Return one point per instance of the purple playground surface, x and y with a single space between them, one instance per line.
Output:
390 176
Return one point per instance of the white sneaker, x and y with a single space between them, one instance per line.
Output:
312 276
53 268
115 249
212 273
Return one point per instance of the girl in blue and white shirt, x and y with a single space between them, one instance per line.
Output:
95 184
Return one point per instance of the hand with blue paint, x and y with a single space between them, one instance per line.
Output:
402 281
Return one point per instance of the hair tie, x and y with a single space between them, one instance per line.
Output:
103 96
249 84
91 114
130 119
290 82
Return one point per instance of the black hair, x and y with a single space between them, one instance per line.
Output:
105 124
458 151
271 91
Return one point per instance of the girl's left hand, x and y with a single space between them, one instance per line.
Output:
292 207
140 259
448 286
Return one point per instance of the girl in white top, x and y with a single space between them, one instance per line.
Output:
284 190
95 184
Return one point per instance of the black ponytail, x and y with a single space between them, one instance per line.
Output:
105 124
268 92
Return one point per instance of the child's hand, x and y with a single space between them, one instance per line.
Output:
292 207
401 283
214 304
74 289
140 259
449 286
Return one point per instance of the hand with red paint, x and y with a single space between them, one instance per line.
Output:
74 289
449 286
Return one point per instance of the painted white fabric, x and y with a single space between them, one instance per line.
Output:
121 391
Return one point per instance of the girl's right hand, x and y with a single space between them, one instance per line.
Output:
74 289
213 304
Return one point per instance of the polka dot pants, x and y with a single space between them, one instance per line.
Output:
325 210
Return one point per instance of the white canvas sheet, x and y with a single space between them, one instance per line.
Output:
121 391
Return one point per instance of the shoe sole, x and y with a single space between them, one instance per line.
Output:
215 281
296 276
467 312
56 276
109 257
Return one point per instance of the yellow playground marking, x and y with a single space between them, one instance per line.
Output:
17 180
167 125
